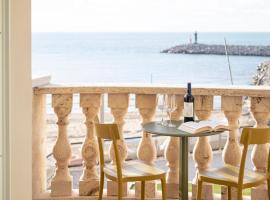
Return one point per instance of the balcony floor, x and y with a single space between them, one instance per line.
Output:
131 196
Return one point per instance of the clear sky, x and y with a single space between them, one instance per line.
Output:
150 15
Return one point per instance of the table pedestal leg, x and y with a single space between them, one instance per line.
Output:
183 168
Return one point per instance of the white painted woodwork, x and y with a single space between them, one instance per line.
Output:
18 98
89 181
1 25
172 154
1 88
62 181
1 105
41 81
1 178
1 75
260 108
202 152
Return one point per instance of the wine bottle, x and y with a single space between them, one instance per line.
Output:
188 105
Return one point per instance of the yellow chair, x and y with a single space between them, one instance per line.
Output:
238 177
128 172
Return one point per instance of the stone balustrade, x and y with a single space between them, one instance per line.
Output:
145 103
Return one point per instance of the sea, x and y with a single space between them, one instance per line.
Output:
135 58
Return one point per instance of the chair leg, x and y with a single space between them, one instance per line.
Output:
120 188
239 194
268 184
101 185
229 193
142 189
163 188
199 190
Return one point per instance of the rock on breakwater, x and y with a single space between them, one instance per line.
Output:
215 49
262 76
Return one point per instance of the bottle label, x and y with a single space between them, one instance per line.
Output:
188 109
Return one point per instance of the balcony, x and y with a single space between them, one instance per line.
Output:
141 99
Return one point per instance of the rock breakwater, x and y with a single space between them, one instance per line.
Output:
262 77
215 49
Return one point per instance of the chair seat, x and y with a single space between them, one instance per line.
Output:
230 174
134 171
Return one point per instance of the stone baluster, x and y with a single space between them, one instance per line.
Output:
172 154
61 184
147 152
232 107
260 108
39 145
119 106
202 152
89 181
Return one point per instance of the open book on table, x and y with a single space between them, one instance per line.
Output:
204 126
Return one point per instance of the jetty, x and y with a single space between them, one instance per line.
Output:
217 49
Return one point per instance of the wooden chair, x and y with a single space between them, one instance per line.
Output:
128 172
238 177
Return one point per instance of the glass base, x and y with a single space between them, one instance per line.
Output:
163 123
171 125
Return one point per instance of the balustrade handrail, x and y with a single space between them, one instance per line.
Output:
251 91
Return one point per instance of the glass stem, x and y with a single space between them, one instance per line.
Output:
162 115
170 118
163 123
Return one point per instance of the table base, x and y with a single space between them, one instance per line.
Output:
183 168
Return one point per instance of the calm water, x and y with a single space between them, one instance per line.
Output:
135 57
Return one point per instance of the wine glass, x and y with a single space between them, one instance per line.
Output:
161 106
171 107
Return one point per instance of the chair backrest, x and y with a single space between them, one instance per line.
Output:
110 132
107 131
252 136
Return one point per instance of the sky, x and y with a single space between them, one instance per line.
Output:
150 15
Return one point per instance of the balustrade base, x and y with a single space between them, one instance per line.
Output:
172 190
88 187
112 188
75 196
207 191
61 188
150 189
259 193
131 196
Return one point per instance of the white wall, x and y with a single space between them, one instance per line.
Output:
18 97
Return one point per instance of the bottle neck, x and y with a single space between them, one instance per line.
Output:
189 88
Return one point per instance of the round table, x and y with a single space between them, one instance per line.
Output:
158 129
